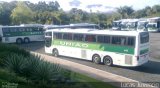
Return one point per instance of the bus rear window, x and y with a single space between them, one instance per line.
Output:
144 37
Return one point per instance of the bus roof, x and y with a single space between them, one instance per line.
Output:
102 32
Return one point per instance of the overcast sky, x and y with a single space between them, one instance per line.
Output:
100 5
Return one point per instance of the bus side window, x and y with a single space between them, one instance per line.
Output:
78 37
119 40
67 36
103 39
131 41
57 35
90 38
100 39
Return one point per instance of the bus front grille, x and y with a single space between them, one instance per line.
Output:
128 59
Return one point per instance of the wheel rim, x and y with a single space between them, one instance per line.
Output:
19 41
26 40
107 61
96 59
55 53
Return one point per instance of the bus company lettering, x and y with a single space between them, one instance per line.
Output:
74 44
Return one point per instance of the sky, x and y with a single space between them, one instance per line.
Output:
100 5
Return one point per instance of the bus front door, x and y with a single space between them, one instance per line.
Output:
48 41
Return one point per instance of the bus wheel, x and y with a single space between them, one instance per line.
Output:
26 40
96 59
19 41
55 53
108 61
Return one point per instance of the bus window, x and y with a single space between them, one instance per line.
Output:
118 40
90 38
78 37
57 35
67 36
103 39
144 37
6 30
131 41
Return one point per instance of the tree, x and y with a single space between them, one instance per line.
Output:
5 11
21 14
125 11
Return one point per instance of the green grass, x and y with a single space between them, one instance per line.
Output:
9 77
93 82
81 81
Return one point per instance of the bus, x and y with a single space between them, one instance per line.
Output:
21 34
129 24
123 48
142 24
154 24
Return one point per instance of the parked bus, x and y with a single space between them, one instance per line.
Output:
21 34
123 48
142 24
154 24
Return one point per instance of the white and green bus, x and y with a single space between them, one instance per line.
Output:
123 48
154 24
21 34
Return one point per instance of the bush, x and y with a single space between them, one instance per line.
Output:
13 49
7 49
16 63
41 72
11 77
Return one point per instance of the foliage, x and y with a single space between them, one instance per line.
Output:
51 13
16 63
21 14
7 49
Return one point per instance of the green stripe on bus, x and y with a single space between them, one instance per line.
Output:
95 46
144 51
12 34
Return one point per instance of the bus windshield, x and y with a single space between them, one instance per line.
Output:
116 24
132 25
152 26
141 25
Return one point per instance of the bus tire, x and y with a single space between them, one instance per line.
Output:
107 60
26 40
55 53
96 59
19 41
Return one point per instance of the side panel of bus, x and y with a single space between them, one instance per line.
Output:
31 38
11 34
